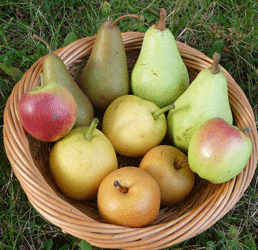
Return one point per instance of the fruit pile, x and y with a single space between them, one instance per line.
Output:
137 113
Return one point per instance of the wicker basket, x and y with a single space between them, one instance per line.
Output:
205 205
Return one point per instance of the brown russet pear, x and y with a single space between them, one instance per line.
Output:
55 71
129 197
105 76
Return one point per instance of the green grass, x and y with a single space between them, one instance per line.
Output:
229 27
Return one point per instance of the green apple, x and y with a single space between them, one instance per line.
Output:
218 151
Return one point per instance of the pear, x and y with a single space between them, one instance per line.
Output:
105 76
159 75
81 160
134 125
129 197
55 71
205 98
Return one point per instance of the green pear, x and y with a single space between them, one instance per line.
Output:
219 151
159 75
205 98
81 160
55 71
105 76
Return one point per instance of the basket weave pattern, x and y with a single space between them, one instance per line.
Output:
205 205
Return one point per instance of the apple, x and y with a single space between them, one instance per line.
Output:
81 160
48 112
219 151
129 197
169 167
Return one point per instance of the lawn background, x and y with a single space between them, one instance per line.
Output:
228 27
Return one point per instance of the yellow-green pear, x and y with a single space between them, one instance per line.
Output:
205 98
81 160
134 125
159 75
55 71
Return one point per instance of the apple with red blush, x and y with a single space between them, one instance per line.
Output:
219 151
48 112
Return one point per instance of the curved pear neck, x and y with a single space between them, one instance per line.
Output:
43 41
161 25
215 66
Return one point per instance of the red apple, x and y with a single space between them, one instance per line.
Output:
219 151
48 113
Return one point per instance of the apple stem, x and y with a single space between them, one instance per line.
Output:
161 25
162 111
248 130
94 124
215 66
125 16
179 164
122 188
43 41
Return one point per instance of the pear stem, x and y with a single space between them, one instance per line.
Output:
42 40
215 66
179 164
162 111
161 25
125 16
42 79
122 188
94 124
248 130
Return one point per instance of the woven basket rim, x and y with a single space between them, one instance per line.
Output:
72 220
